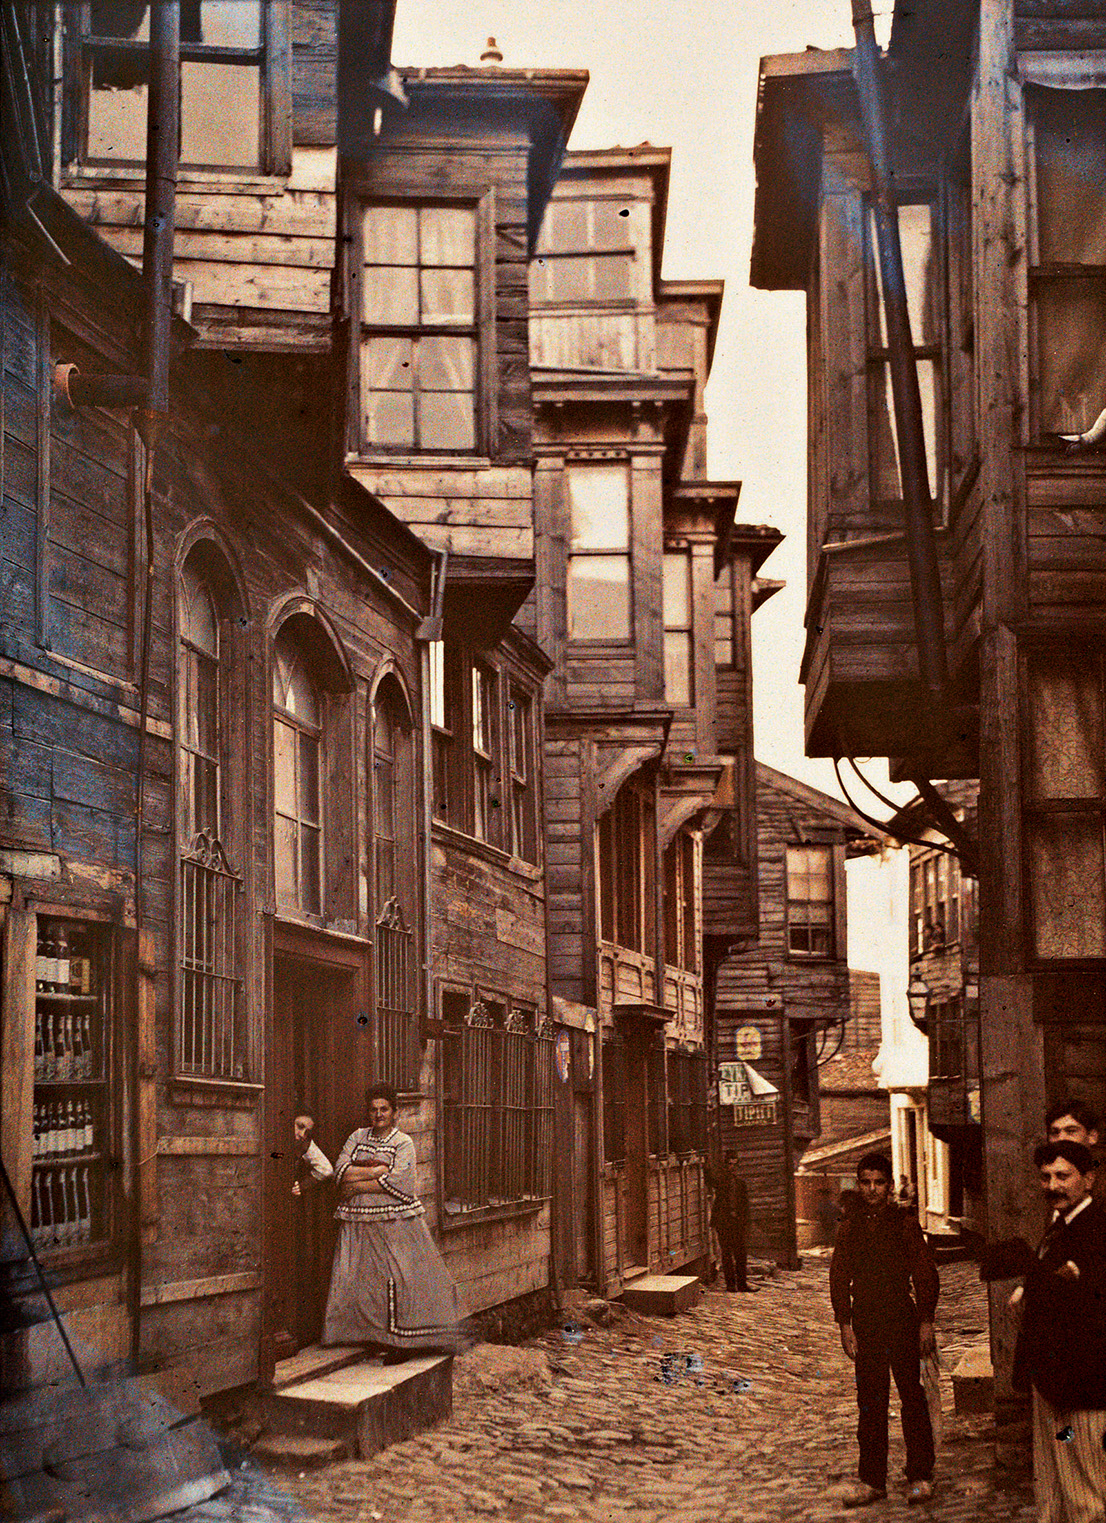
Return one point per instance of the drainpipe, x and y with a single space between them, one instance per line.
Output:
162 149
431 629
921 541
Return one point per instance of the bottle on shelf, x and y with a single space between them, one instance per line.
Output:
62 942
88 1051
80 964
42 963
65 1064
59 1044
40 1045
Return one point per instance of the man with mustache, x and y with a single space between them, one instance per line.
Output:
1061 1351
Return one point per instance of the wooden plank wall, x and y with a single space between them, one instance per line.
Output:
314 72
566 868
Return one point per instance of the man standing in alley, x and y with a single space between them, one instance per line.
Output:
884 1288
729 1216
1061 1350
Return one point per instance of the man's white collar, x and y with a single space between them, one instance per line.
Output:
1082 1206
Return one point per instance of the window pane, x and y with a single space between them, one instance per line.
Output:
386 364
284 767
613 277
448 296
447 420
610 229
677 667
391 295
1071 328
390 418
1065 730
599 506
199 625
391 235
448 235
599 597
302 700
677 589
284 860
883 434
309 779
919 258
723 639
445 364
569 279
205 804
207 705
120 18
309 868
437 683
1066 884
226 23
221 114
117 123
384 821
1070 133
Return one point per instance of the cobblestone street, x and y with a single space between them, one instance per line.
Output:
762 1433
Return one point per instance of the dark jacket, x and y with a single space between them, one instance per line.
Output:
882 1270
730 1208
1061 1347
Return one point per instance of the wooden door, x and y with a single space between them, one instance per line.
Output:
309 1009
583 1153
635 1217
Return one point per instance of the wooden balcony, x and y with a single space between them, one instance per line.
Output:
683 998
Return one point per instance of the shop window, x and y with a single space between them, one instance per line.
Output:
297 774
598 591
73 1206
810 901
397 1053
679 676
497 1105
687 1102
520 733
1066 804
211 1038
920 235
1068 258
230 87
585 255
626 838
420 340
614 1098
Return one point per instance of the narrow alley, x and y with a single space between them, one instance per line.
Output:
621 1421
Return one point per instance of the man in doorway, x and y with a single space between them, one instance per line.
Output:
1072 1121
729 1216
1061 1349
884 1288
312 1164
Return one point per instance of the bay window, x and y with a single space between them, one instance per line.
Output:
585 254
420 347
1068 257
626 843
598 591
231 89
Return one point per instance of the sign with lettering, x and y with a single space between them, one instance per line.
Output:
748 1043
754 1100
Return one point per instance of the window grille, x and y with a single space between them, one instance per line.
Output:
498 1106
211 1041
397 1049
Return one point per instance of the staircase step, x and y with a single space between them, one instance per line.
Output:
663 1295
299 1450
973 1381
314 1361
366 1406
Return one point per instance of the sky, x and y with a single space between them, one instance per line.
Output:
682 74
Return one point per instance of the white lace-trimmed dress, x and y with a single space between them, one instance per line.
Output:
389 1285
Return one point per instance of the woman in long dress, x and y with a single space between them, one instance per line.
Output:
389 1286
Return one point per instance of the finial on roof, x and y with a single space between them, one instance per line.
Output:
491 53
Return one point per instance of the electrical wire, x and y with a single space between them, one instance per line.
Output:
871 787
884 826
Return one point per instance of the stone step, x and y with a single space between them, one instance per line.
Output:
973 1381
366 1406
314 1361
300 1451
663 1295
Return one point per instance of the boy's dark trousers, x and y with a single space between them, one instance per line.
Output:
731 1241
885 1347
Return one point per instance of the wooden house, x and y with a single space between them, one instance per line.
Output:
326 727
783 1000
996 113
647 730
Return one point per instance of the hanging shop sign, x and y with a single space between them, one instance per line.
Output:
562 1055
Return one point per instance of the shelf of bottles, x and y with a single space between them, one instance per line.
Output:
71 1116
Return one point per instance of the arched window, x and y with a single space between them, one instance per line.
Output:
211 1039
393 867
297 770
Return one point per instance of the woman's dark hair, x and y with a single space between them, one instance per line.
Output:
382 1092
876 1163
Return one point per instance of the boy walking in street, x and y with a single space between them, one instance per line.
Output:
884 1288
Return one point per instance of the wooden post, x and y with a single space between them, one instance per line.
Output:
17 1017
788 1142
149 1211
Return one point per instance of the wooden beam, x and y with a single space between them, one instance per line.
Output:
208 1147
196 1290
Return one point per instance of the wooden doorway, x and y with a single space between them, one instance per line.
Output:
635 1177
318 1059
